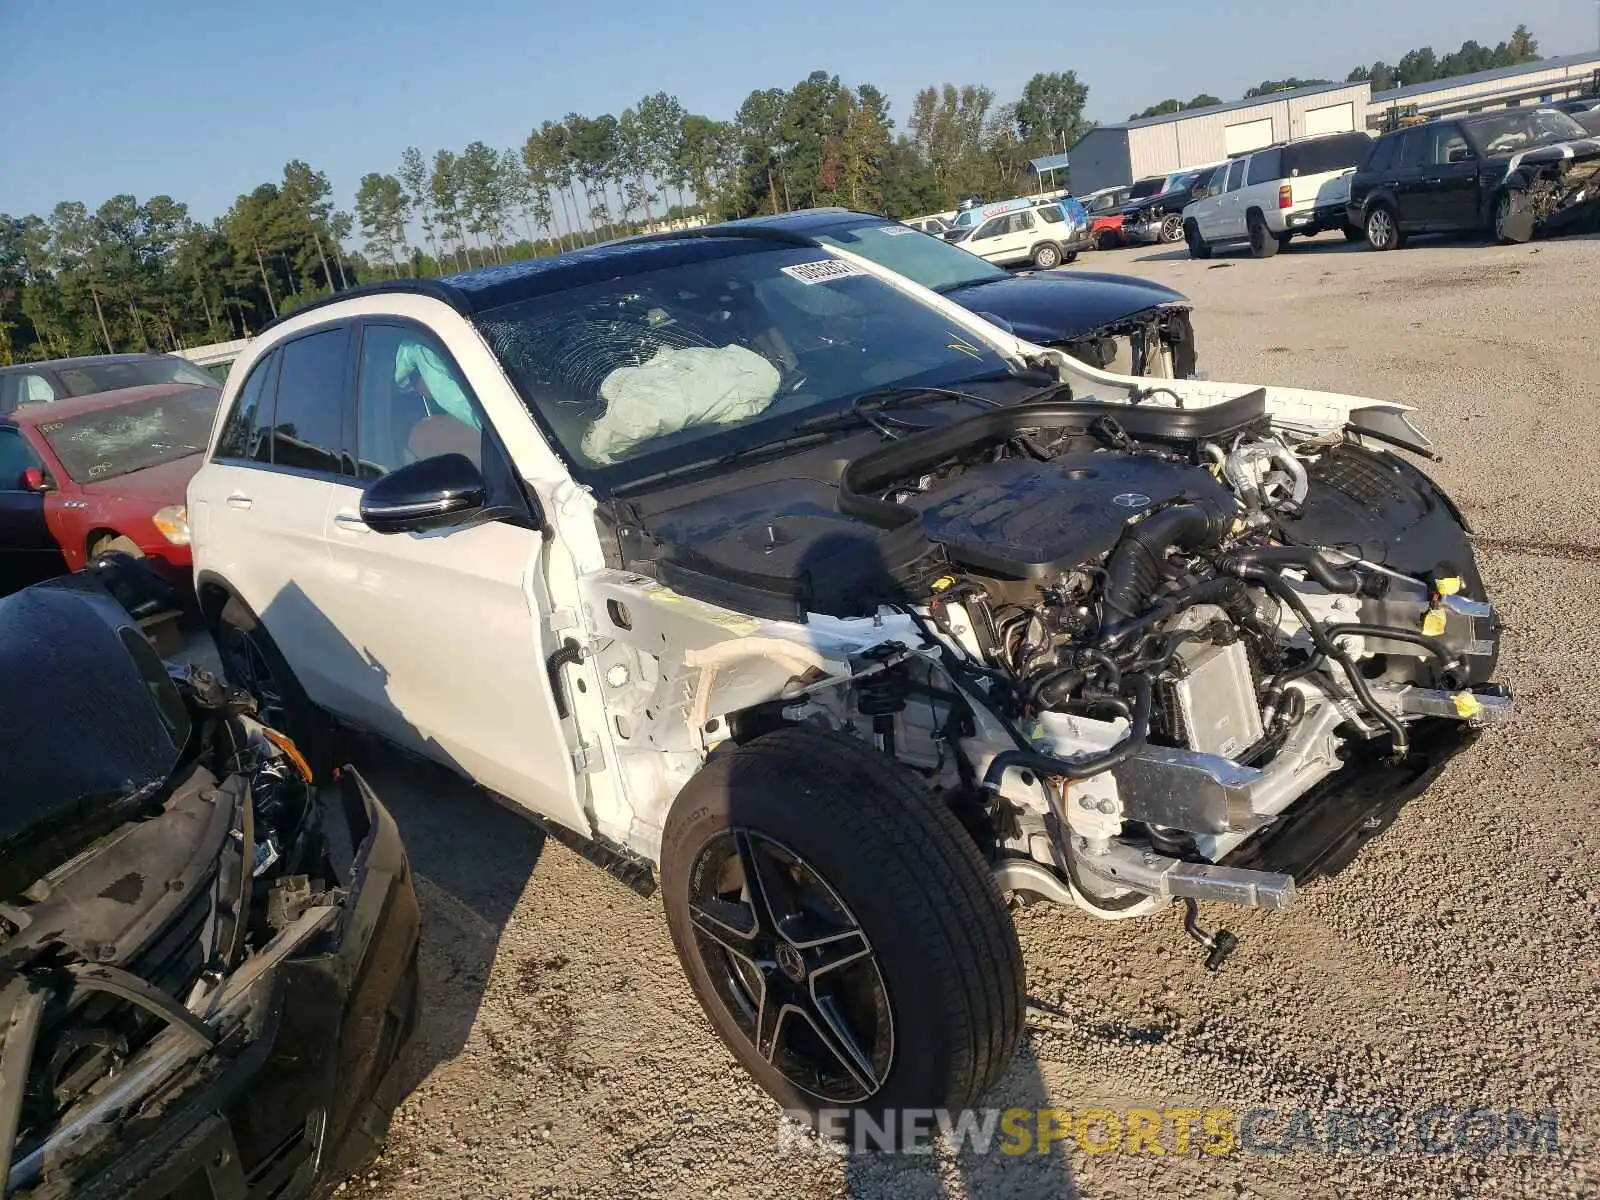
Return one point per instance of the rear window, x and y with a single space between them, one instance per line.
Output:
1381 156
1320 155
131 437
1265 166
1147 187
89 378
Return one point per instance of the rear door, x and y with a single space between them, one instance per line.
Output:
449 620
1230 213
1415 200
1450 177
262 503
28 550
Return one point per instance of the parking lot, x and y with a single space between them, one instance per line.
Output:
1454 964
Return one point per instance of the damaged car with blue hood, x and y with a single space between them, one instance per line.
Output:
1117 323
195 1003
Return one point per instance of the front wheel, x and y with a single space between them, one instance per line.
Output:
1172 229
1198 246
840 929
1513 224
1046 257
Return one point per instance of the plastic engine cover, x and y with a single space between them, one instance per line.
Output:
1027 520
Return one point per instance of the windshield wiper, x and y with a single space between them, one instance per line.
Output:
865 406
772 449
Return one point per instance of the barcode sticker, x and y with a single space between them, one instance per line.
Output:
895 230
823 271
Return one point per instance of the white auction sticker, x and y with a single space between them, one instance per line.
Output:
895 230
823 271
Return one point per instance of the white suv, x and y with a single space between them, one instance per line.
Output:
786 581
1272 195
1040 235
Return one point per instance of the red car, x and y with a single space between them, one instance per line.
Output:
88 475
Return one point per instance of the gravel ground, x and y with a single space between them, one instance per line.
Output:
1454 964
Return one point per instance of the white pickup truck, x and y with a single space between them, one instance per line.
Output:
1267 197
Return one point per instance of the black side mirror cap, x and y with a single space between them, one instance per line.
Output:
434 493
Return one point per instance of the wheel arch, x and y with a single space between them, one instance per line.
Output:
99 533
213 592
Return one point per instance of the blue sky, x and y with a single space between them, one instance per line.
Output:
204 101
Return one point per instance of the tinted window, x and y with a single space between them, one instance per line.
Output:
16 456
130 437
1266 166
1321 155
1236 174
1413 147
412 402
1447 145
1148 187
1381 156
1021 222
991 228
308 423
247 433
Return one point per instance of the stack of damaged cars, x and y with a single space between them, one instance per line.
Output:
194 1003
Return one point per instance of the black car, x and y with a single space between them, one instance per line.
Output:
1506 173
1141 327
1158 216
42 382
196 1006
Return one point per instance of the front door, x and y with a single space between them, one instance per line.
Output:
28 550
1416 200
449 620
1207 213
1450 178
1230 214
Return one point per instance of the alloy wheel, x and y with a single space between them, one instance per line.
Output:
1502 216
1172 228
792 965
247 666
1380 227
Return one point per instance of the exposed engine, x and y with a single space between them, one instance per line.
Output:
1189 619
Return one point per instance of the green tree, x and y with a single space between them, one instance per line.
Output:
1203 100
381 209
1049 114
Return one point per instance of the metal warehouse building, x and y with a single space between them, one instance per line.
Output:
1116 154
1530 83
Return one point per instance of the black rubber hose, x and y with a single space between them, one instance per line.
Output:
1089 764
1278 587
1431 644
1325 573
1219 590
1138 563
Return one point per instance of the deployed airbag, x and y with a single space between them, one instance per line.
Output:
677 389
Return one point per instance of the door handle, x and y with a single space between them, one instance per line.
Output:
350 522
239 500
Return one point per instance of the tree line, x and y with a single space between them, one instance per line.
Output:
135 275
1416 66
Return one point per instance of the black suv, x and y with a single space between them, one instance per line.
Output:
1507 172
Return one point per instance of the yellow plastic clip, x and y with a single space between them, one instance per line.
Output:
1447 587
944 583
1433 622
1467 705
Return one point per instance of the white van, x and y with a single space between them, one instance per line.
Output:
1269 196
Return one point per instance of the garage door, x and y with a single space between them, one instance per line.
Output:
1336 118
1247 135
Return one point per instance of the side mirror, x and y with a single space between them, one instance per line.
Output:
1460 154
434 493
34 479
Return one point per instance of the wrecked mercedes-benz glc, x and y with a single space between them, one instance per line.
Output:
195 1004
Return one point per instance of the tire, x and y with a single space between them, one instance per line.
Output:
934 968
252 660
114 544
1382 228
1046 257
1109 240
1072 257
1172 228
1511 222
1198 246
1352 234
1263 243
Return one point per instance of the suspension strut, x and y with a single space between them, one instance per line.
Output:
882 694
